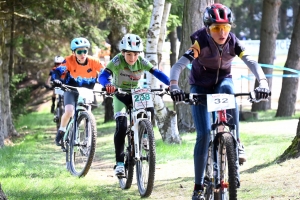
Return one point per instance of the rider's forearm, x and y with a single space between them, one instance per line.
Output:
254 67
173 82
177 69
160 76
103 78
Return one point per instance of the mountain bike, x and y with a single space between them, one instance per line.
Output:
221 174
79 141
59 111
139 148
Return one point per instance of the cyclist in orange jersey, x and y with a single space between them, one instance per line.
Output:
81 71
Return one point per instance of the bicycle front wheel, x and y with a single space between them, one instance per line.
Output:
209 193
59 113
126 181
83 145
145 167
227 158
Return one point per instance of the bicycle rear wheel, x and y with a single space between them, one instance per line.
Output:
69 135
83 145
126 181
59 112
227 164
145 167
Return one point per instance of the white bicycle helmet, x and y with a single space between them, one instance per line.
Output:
131 42
79 43
58 59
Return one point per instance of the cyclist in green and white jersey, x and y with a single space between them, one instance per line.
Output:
126 69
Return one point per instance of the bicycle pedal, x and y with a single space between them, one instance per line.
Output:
55 119
121 176
63 148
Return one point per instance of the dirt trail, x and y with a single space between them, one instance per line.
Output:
175 179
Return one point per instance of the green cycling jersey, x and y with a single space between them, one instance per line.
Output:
126 76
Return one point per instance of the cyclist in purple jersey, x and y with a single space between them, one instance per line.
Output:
211 54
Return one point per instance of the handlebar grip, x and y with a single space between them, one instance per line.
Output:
156 90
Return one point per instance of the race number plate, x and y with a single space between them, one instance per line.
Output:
142 98
86 94
59 91
216 102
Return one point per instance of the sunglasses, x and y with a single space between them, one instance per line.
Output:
81 52
56 64
217 28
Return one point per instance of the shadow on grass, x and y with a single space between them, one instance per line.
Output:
256 168
101 192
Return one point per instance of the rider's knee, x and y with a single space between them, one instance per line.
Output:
69 109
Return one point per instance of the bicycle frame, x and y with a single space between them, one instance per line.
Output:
80 105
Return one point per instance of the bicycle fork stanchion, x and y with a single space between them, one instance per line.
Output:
135 129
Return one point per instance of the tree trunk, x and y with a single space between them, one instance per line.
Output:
11 45
114 39
163 31
2 128
2 195
163 116
293 151
7 128
108 109
295 7
192 21
268 34
173 47
283 21
288 94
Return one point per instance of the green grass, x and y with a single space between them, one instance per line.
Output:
167 152
34 168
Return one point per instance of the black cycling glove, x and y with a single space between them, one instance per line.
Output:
57 83
176 93
262 91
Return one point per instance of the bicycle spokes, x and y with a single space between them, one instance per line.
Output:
82 148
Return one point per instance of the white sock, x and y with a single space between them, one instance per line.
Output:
62 129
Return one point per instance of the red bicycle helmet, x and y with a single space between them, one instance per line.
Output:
217 13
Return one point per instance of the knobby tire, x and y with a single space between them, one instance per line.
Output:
227 164
59 113
145 167
126 181
84 149
209 193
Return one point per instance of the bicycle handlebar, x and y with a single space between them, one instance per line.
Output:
192 98
128 91
74 89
